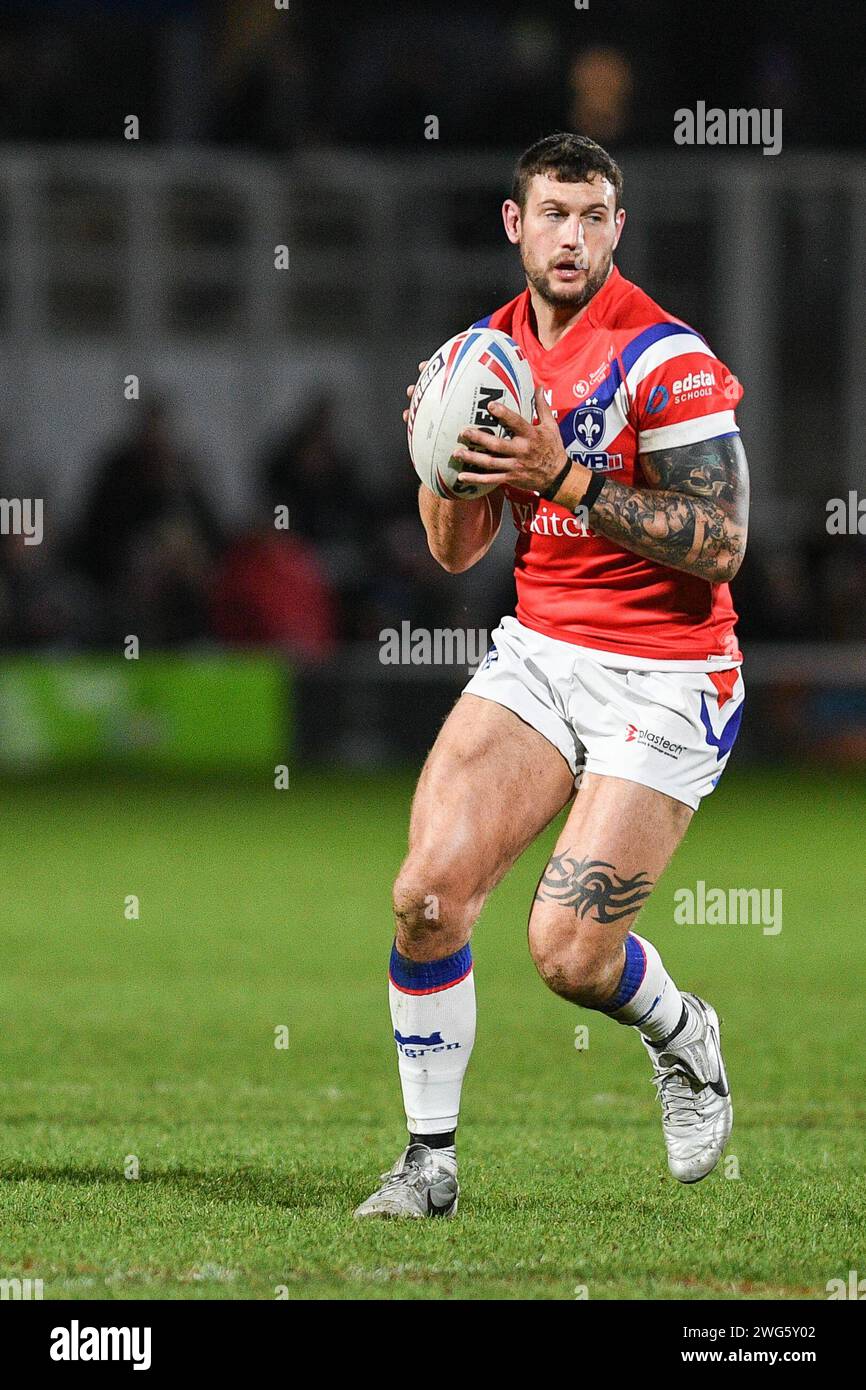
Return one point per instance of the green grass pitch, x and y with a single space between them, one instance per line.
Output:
154 1040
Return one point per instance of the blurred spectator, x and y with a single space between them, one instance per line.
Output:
306 470
842 584
264 90
278 79
405 584
271 590
166 583
148 533
42 605
602 86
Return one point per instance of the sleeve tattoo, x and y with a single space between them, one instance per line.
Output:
694 514
592 886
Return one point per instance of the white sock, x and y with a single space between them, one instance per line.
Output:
648 999
433 1015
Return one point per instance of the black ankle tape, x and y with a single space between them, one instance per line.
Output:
434 1141
684 1018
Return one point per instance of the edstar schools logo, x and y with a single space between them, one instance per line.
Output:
692 385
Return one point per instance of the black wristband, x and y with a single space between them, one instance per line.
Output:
550 492
590 497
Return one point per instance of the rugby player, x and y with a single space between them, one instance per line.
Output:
616 683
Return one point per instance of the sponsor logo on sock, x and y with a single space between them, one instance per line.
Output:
414 1045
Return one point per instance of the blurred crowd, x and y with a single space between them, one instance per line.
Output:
145 548
307 74
320 562
145 552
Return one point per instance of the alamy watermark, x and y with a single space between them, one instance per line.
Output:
21 1290
22 516
846 516
855 1287
737 126
438 646
725 907
77 1343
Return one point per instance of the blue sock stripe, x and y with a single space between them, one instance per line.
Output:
421 976
632 975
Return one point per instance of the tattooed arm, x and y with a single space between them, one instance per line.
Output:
693 516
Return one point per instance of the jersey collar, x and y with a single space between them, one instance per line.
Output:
574 338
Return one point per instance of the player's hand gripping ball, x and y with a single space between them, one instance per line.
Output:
456 389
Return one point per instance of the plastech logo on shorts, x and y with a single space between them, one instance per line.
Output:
694 384
645 738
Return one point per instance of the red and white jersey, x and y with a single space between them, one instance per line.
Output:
627 378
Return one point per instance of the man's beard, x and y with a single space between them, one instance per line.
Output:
565 299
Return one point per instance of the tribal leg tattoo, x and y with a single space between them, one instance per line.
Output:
592 886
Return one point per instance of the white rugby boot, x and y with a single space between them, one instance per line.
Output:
423 1182
692 1085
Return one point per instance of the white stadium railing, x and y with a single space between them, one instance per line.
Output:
167 257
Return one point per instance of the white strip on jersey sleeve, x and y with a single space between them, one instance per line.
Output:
657 354
688 432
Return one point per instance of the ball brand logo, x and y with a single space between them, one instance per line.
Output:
430 371
484 398
645 738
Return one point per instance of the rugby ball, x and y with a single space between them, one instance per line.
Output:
456 389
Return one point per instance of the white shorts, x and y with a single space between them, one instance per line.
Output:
670 727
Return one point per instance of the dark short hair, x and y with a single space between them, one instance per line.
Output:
568 158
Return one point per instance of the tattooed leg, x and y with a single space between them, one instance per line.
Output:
615 844
591 885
